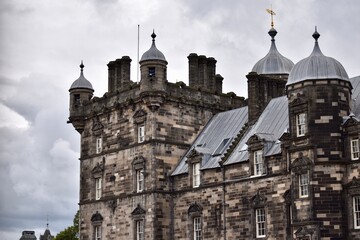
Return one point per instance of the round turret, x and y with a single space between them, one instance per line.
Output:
81 91
317 66
273 62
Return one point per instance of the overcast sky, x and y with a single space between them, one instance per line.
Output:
43 41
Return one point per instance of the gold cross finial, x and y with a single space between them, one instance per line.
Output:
272 13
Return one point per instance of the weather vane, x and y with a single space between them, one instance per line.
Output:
272 13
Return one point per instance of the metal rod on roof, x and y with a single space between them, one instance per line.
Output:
137 67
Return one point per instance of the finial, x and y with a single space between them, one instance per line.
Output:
153 35
272 13
82 65
272 32
316 35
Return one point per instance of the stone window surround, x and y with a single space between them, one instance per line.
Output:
97 173
352 190
301 165
259 201
298 106
138 214
256 144
96 221
140 125
194 212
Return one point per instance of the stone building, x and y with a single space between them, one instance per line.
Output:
162 160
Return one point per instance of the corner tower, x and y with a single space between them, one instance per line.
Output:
267 79
319 95
81 91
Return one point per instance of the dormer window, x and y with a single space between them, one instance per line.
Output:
151 72
354 148
300 124
258 163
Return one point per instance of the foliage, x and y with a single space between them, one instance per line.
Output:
71 232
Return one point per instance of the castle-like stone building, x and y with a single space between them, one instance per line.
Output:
162 160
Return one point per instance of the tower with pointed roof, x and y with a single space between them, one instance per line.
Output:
319 96
81 91
267 79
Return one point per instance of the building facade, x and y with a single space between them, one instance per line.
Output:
162 160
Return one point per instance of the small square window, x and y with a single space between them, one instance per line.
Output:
258 163
356 211
354 149
196 174
301 124
141 134
151 71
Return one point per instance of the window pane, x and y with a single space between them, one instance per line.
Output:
98 185
304 185
141 134
258 163
140 230
301 124
140 180
196 174
260 222
356 208
98 145
354 149
197 228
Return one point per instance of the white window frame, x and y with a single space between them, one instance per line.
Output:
97 232
356 211
98 188
139 180
98 144
197 228
300 124
196 174
141 134
260 221
258 163
139 229
304 184
354 145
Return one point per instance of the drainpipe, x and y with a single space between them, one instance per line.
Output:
223 198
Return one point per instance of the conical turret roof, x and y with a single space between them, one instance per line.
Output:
273 62
317 66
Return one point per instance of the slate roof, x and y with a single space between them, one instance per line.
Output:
222 126
270 126
355 82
